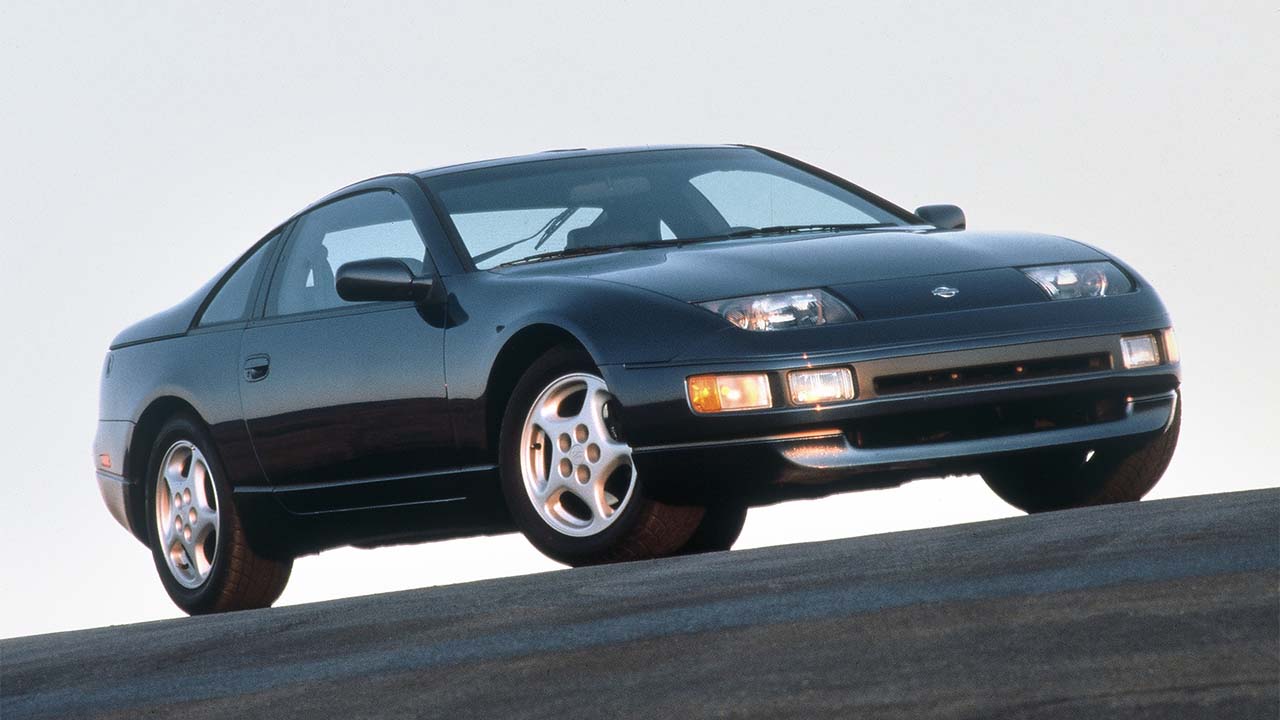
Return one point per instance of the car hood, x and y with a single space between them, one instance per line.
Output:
734 268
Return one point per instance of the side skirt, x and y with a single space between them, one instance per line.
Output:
306 519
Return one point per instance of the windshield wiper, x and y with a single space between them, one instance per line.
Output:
542 234
576 252
677 242
784 229
780 230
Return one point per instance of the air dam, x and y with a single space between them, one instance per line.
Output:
1162 609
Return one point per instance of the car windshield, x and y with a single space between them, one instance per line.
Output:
571 205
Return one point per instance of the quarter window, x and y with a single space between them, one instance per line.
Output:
231 302
373 225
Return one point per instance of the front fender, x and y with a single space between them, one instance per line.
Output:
616 323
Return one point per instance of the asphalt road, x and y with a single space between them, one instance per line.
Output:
1166 609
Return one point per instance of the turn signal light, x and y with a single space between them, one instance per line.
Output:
1140 351
726 393
1171 353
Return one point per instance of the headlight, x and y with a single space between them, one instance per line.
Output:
1080 280
782 311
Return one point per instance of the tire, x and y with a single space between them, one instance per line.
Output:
588 515
719 530
213 569
1062 479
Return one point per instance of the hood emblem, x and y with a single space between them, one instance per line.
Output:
945 292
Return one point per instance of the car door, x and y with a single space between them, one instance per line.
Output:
345 402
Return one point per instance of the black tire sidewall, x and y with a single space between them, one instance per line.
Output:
567 549
1058 480
203 598
718 530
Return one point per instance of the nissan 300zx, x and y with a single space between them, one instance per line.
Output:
616 353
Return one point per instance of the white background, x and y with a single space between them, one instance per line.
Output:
144 145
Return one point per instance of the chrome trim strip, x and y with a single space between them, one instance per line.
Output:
413 503
786 437
304 487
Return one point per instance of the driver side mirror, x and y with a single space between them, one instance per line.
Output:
943 217
386 279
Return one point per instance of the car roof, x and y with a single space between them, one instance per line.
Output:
553 154
512 160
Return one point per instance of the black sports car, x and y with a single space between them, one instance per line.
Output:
616 352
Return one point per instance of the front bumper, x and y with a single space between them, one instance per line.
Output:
764 466
915 415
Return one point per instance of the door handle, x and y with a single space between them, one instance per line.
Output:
256 367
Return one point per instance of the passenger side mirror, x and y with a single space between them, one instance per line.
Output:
380 279
943 217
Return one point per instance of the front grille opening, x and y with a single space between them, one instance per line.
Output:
985 421
989 374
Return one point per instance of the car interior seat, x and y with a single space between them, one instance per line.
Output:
617 225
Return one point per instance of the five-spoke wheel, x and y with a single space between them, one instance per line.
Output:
578 474
201 552
187 513
569 476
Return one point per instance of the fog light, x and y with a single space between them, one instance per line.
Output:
1140 351
725 393
809 387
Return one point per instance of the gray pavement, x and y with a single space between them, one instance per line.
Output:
1164 609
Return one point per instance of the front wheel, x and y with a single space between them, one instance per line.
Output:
1062 479
719 530
568 476
199 546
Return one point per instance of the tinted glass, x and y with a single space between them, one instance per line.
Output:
372 225
232 300
509 212
492 232
746 198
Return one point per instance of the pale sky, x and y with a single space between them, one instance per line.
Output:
145 145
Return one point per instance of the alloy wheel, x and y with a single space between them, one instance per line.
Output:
577 473
186 510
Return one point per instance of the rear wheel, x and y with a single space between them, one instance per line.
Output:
199 546
568 476
1061 479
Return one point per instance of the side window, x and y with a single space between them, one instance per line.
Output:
754 199
232 300
373 225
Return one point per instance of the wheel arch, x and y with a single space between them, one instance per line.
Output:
153 418
511 362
